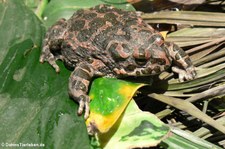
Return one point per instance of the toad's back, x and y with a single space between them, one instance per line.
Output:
119 38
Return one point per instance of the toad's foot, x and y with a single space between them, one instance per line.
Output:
187 74
51 59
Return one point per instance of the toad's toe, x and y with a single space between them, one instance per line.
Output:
84 106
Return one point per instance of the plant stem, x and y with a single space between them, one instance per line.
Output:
41 8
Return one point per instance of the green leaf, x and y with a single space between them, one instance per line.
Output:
110 97
34 107
57 9
17 24
34 103
119 129
135 129
116 93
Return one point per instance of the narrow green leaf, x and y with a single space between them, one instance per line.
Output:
184 140
189 108
195 35
197 18
219 74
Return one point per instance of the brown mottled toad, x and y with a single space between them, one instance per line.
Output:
106 41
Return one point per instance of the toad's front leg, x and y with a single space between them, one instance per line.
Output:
52 42
78 86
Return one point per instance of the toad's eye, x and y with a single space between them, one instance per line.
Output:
54 32
157 39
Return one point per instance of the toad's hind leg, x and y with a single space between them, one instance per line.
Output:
52 42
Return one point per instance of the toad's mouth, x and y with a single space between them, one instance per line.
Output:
140 62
